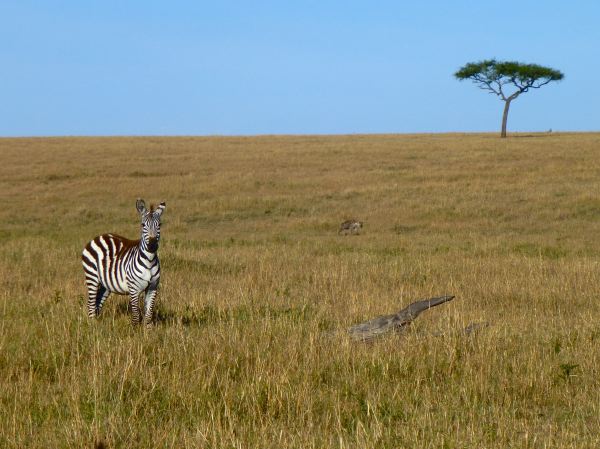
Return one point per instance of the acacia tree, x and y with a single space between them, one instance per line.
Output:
494 76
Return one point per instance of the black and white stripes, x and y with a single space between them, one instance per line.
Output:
114 264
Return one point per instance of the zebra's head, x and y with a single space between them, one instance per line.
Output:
150 224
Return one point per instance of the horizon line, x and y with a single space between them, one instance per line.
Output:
83 136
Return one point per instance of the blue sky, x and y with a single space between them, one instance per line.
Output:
314 67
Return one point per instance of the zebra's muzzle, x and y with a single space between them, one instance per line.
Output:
152 244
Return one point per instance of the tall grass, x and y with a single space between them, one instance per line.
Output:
256 282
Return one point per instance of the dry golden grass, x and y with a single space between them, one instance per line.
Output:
255 275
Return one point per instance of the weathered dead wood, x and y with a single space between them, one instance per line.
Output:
395 322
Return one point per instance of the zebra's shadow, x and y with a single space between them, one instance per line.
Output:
122 308
162 316
209 315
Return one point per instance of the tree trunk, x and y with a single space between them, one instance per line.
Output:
505 117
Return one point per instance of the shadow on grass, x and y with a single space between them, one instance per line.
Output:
122 308
211 315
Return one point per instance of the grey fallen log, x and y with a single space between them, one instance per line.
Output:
383 324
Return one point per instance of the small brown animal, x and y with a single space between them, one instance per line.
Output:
350 227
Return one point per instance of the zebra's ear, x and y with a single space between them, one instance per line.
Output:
161 208
140 205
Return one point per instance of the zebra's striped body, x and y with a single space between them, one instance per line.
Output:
114 264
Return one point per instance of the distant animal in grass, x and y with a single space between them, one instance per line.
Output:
351 227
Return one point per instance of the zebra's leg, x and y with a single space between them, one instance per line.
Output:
101 296
94 288
135 307
149 305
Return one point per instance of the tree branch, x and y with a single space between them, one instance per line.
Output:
515 95
541 84
500 90
486 84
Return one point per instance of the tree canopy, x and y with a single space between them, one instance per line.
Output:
493 75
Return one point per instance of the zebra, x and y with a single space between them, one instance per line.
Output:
350 226
114 264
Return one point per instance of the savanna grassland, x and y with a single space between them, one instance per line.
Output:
257 287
